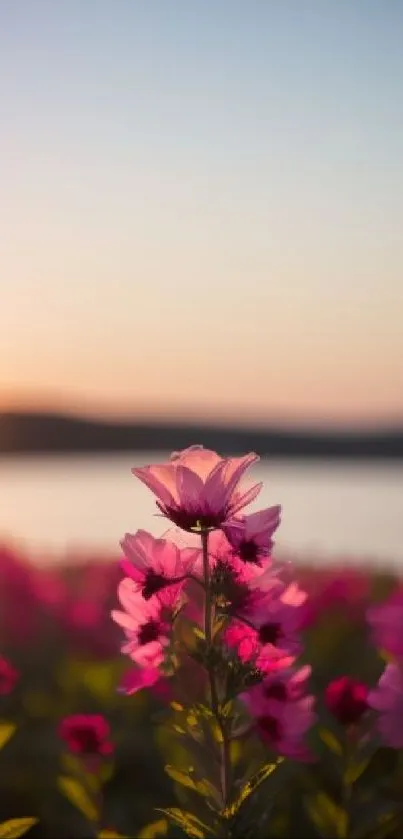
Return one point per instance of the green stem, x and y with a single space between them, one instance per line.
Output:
347 789
215 705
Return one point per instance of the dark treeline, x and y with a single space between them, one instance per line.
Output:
30 433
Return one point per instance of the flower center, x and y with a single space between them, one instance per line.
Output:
271 727
194 520
351 706
153 582
87 740
148 632
249 551
270 633
277 690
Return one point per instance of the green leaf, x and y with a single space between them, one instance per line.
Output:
250 787
332 743
355 770
99 679
154 830
7 730
78 797
330 819
202 787
180 777
191 825
176 706
14 828
105 773
110 834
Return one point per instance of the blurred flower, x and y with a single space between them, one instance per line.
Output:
346 699
197 488
84 615
387 699
283 711
155 563
250 536
19 612
50 589
8 676
139 678
146 623
86 734
334 588
386 622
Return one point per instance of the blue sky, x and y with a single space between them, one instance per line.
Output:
202 206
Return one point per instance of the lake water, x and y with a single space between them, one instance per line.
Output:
341 510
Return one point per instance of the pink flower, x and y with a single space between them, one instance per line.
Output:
199 489
86 615
86 734
269 639
8 677
147 623
346 699
155 563
271 632
266 652
245 640
237 587
386 622
139 678
19 612
387 699
250 536
344 588
50 588
283 711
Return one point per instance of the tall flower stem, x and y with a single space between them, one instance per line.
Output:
347 784
215 704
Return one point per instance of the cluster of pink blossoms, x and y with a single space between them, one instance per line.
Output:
255 601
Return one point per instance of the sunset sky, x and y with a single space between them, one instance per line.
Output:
201 208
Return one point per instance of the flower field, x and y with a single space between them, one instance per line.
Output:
196 684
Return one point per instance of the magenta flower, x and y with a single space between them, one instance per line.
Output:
346 699
19 612
8 677
250 536
199 489
86 734
154 564
268 639
265 658
283 711
387 699
276 620
342 587
238 587
146 623
139 678
386 622
267 649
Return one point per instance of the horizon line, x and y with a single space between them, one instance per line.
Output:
231 420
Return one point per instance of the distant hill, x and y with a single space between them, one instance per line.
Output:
40 433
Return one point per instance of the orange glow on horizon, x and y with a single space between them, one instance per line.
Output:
108 409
